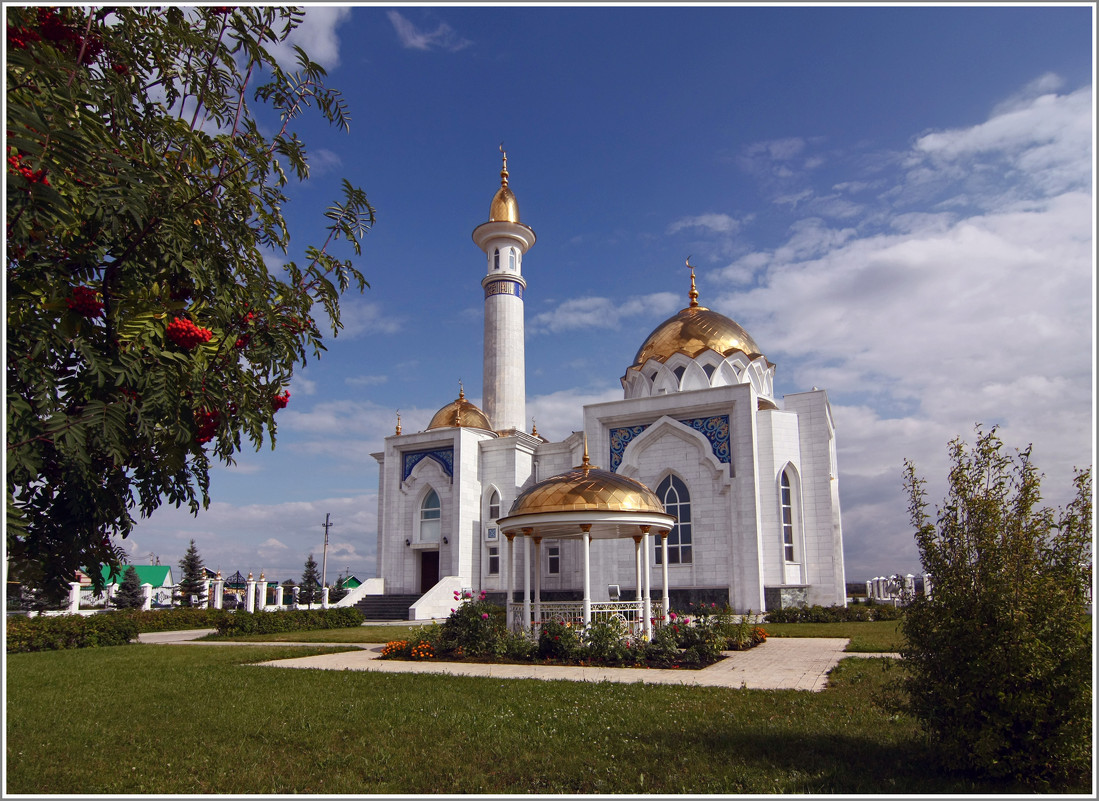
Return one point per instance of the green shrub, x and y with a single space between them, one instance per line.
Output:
605 642
835 614
474 628
68 631
998 660
558 640
663 649
232 623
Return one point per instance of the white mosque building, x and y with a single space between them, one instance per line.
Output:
750 480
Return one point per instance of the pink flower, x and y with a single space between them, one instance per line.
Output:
484 616
671 615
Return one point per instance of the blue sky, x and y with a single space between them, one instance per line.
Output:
896 202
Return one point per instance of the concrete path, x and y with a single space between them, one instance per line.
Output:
792 663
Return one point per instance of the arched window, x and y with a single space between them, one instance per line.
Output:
494 505
511 259
496 259
431 513
786 506
673 493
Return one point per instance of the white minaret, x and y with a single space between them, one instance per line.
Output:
504 240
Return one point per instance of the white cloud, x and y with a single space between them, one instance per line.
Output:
560 413
598 312
442 38
717 223
316 36
366 380
366 317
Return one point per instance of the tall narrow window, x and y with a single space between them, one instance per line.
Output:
494 560
787 507
496 259
553 559
511 259
494 505
431 513
677 501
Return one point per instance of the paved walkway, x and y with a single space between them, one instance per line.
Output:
780 663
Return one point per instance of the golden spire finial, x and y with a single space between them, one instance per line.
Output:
398 431
504 171
586 464
693 294
461 390
533 428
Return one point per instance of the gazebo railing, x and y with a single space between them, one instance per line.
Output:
630 613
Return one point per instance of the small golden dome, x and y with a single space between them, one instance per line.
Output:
460 414
587 489
504 208
694 330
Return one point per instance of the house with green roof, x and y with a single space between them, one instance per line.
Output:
156 575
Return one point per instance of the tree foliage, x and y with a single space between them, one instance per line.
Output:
192 584
310 588
149 150
129 594
998 658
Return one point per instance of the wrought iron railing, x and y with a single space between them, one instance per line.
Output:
629 613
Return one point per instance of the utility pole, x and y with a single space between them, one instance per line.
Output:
324 558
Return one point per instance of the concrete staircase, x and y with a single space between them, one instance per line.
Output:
386 607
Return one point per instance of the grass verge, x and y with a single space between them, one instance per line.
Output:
876 636
188 720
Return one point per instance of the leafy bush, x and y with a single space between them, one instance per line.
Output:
835 614
998 660
290 620
174 619
558 640
605 642
68 631
474 628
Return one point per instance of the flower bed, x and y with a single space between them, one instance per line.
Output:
476 631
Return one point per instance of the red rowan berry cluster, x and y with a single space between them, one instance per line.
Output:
59 33
280 401
16 165
85 302
186 334
207 425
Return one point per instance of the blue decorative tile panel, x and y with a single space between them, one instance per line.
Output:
444 456
715 429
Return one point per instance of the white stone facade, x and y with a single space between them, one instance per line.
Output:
758 475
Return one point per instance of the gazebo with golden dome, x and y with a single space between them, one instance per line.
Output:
585 503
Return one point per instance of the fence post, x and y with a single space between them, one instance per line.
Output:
74 597
324 597
147 601
219 591
278 596
294 595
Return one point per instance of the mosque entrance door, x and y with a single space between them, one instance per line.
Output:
429 570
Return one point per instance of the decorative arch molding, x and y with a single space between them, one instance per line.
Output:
635 440
708 369
443 456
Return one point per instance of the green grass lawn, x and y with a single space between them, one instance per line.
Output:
866 637
190 719
878 636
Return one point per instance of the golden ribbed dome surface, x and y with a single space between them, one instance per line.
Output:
692 331
587 489
460 414
504 208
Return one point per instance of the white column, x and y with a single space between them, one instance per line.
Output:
294 591
537 564
637 560
111 588
511 579
147 601
74 597
261 593
647 608
324 597
278 596
586 528
526 579
664 571
250 594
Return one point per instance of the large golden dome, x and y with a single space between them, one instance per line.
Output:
694 330
460 414
586 489
505 207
